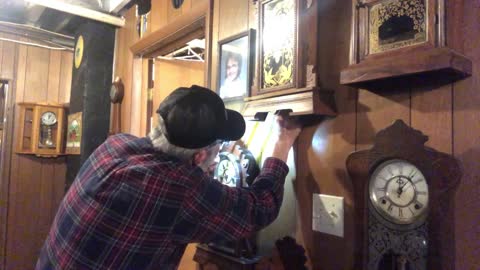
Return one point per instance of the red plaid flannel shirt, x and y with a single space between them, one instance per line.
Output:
132 207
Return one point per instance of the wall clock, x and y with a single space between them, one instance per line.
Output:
117 91
228 170
79 52
41 129
403 194
405 41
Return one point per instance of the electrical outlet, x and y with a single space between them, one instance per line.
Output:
328 216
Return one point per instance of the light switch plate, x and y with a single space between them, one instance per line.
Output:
328 215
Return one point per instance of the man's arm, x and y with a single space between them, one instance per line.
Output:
233 213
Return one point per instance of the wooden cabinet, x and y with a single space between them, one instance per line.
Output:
41 129
285 76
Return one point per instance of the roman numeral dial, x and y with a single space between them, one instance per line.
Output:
398 191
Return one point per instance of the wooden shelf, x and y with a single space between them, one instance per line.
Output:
308 101
437 66
189 26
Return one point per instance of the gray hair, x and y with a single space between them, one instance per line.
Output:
161 143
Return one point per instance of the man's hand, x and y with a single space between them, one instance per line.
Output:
286 132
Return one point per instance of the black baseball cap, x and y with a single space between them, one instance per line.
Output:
196 117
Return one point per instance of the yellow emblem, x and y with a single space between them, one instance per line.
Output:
79 52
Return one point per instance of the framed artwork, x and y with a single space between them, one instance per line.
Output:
235 57
396 24
278 49
74 134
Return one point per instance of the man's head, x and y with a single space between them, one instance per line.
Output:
233 66
192 122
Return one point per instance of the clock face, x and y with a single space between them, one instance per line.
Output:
398 191
49 118
227 171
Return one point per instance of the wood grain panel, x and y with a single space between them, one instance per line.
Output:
124 65
21 73
432 114
53 83
180 73
466 119
323 148
233 18
65 77
214 45
36 80
377 110
158 14
8 56
36 185
8 60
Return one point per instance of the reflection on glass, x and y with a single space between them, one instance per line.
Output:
278 43
396 24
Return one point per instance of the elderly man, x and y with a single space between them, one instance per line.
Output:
137 202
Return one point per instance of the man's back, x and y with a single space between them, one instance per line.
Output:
131 207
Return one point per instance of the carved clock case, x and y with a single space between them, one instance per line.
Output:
403 192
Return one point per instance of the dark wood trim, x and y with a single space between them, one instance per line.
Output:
437 64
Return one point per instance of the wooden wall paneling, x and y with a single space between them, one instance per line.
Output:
172 12
8 57
35 185
65 83
214 45
324 147
136 95
21 73
158 14
124 64
187 5
36 75
466 134
53 83
144 98
377 110
432 114
233 18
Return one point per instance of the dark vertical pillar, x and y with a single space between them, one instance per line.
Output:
91 83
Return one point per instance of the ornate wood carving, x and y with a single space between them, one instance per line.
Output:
442 173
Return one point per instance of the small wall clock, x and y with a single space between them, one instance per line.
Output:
403 193
41 129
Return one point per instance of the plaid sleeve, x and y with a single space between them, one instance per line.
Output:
232 213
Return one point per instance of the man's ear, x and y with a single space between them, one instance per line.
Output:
200 157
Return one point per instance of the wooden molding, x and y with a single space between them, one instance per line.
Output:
186 27
430 64
312 101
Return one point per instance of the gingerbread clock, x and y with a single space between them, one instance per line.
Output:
403 192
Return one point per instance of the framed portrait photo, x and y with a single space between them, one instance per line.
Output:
234 73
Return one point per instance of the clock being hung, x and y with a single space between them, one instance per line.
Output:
41 129
403 193
405 41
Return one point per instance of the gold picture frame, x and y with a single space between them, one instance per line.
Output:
277 58
74 134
